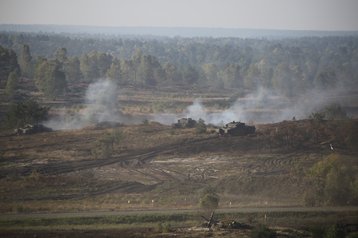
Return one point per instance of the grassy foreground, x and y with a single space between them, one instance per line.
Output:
294 222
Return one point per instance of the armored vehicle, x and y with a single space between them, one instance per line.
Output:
31 129
185 123
236 129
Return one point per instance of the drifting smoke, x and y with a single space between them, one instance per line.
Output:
101 105
261 106
102 102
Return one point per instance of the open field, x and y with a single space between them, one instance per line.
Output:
86 187
287 222
146 180
151 162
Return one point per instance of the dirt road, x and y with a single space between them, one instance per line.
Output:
177 211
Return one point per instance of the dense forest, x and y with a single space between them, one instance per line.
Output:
289 66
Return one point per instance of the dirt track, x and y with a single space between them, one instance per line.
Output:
130 158
155 161
180 211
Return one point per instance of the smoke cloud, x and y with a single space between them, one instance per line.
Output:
101 104
261 106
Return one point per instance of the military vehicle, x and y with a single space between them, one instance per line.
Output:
185 123
31 129
236 129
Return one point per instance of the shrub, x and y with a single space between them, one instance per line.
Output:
335 231
105 145
209 201
27 112
200 127
330 112
164 227
262 231
332 181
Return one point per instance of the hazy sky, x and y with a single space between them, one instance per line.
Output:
263 14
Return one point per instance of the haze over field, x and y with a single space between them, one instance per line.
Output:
260 106
321 15
116 118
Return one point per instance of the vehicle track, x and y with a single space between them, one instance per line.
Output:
57 167
106 188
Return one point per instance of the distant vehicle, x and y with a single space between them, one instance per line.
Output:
185 123
31 129
236 129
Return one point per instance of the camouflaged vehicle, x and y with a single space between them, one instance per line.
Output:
185 123
31 129
236 129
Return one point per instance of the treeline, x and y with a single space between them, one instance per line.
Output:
289 66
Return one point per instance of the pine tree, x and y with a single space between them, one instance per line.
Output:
50 79
11 84
25 62
8 63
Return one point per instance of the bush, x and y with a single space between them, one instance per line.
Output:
330 112
105 145
28 112
262 231
332 181
200 127
164 227
209 201
335 112
335 231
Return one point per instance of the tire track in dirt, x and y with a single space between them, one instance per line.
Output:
115 187
127 159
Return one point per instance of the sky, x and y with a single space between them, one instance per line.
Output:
324 15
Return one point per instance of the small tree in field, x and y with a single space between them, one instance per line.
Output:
209 201
11 85
200 127
26 112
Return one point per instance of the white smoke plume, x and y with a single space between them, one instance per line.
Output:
261 106
101 104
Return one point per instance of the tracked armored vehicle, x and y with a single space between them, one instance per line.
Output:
236 129
31 129
185 123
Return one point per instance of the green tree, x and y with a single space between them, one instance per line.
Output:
49 78
231 76
73 70
114 72
11 85
172 74
149 71
200 127
335 112
190 75
209 201
128 72
25 62
210 72
8 63
25 112
89 68
105 145
61 55
252 77
332 181
326 79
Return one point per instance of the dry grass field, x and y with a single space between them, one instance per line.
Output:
153 167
